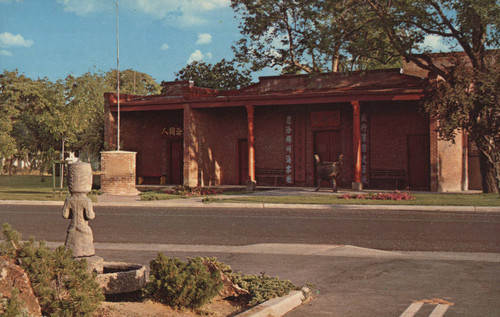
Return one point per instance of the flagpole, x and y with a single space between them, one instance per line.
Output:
118 78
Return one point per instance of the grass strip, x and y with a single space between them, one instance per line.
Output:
29 187
431 199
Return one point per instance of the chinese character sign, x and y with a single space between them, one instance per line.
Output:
299 144
364 147
289 176
172 132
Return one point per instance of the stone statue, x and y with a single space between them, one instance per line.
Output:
328 171
78 208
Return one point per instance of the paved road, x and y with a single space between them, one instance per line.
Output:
379 229
350 281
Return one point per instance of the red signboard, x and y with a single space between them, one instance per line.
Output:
321 119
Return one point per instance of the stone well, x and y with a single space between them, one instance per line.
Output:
120 277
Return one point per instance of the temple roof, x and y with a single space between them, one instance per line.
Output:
376 85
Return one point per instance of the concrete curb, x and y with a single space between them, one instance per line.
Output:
278 306
198 203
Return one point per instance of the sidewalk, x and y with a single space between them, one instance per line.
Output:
111 200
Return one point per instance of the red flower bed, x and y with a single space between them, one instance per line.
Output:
397 195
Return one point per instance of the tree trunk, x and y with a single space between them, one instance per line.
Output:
61 171
488 179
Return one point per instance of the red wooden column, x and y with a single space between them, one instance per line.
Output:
356 142
251 148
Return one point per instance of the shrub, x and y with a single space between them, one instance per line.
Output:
192 191
64 286
182 284
149 195
260 287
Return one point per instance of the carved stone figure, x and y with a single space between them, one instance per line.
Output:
78 207
328 171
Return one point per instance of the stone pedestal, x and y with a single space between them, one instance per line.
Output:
118 173
94 264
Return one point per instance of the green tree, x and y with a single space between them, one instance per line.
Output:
133 82
467 96
310 36
40 117
84 95
26 100
222 75
8 112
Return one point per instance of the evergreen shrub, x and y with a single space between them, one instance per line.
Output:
64 286
260 287
182 284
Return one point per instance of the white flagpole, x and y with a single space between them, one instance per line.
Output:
118 78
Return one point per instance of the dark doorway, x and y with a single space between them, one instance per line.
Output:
176 160
418 162
328 145
242 161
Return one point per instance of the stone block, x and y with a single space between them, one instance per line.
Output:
13 276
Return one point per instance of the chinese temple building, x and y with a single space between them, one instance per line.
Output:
269 132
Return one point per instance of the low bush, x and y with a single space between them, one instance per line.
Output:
397 195
151 195
182 284
263 287
64 286
194 283
260 287
193 191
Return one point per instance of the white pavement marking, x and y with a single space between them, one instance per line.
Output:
412 310
439 310
441 307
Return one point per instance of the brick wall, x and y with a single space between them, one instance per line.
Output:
218 132
389 127
141 132
211 139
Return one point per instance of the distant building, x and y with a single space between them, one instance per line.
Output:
269 132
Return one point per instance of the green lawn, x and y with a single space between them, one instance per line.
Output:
28 187
154 195
430 199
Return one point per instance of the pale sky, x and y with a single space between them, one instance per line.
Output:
56 38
